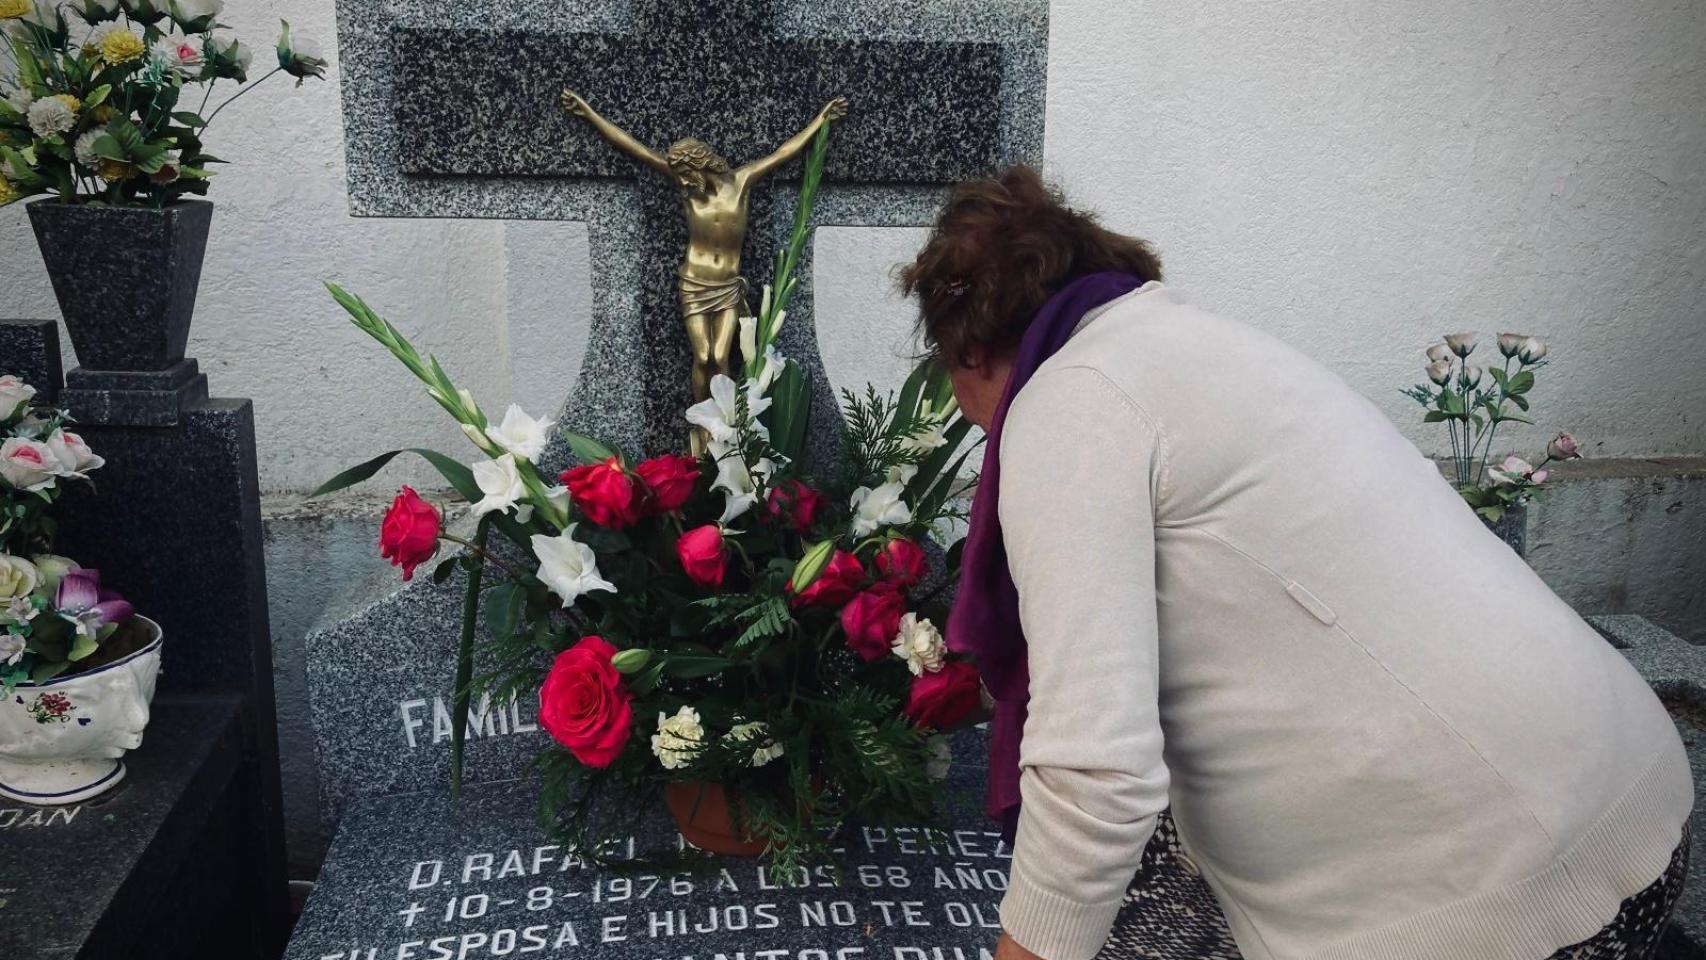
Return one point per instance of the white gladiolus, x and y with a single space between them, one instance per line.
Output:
739 483
748 337
501 483
767 750
920 644
520 434
718 414
567 566
678 738
874 509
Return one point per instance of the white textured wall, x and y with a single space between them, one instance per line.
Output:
1354 176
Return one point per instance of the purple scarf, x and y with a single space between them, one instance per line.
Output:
985 620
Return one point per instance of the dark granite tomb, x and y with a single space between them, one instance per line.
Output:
187 853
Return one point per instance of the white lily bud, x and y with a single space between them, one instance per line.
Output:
1439 371
1438 352
1461 344
477 435
1510 343
1471 375
780 316
1532 351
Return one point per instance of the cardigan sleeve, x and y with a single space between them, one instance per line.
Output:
1079 462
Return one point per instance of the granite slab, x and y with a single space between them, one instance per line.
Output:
108 877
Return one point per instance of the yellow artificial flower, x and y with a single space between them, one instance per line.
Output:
13 9
104 114
8 193
113 171
120 46
71 103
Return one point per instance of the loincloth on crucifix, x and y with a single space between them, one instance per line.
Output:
710 297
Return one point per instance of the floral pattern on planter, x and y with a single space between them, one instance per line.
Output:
51 707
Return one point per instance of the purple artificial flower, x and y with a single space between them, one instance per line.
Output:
81 600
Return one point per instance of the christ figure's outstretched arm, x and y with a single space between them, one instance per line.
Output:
577 106
833 110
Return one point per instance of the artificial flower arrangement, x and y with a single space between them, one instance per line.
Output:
1472 402
103 106
723 619
54 616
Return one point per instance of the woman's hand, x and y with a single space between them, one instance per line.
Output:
1008 948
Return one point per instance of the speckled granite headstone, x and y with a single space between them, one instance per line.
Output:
450 111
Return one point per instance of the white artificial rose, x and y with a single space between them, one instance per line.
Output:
500 481
678 738
1533 350
1462 344
178 54
14 393
74 456
920 644
28 464
1438 353
767 750
192 11
1510 343
51 116
1471 375
18 577
1440 371
567 566
11 648
520 434
874 509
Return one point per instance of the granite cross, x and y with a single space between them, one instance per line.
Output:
451 111
712 69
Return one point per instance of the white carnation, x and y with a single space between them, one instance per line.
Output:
768 749
678 738
51 116
920 644
85 149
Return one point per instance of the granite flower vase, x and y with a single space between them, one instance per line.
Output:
62 741
125 278
1512 528
704 815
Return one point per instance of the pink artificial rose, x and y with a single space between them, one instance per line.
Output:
28 464
1563 447
871 620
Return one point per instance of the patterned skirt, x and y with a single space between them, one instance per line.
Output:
1171 914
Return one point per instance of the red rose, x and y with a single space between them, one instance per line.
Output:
872 619
408 536
941 699
584 705
902 561
605 493
794 503
702 555
671 479
839 581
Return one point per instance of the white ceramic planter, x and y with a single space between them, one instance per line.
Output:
61 741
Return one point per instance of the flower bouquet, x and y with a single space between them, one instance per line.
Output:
1472 402
725 625
77 665
102 106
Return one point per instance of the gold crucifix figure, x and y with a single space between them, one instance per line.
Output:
714 201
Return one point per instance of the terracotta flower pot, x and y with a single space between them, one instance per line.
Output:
703 815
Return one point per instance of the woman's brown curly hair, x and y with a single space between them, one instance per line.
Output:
1001 247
